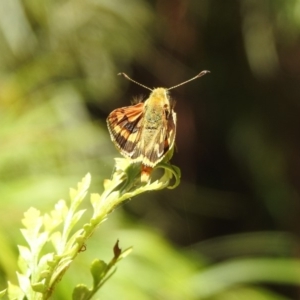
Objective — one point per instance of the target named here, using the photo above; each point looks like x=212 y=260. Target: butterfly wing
x=161 y=142
x=170 y=133
x=124 y=125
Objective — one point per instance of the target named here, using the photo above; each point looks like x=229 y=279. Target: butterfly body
x=144 y=132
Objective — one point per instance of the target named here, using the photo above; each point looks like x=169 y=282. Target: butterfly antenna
x=127 y=77
x=182 y=83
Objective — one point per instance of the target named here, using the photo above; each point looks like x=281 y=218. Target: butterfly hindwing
x=170 y=132
x=162 y=142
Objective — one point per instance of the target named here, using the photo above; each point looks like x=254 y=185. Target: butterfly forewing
x=124 y=125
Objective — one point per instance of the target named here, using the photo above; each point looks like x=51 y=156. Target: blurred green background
x=231 y=229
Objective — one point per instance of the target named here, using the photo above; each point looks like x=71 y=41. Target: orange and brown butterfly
x=145 y=132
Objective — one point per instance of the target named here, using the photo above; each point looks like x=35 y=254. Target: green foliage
x=56 y=238
x=39 y=272
x=101 y=272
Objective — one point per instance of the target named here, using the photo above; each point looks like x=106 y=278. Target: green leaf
x=56 y=216
x=81 y=292
x=25 y=258
x=56 y=240
x=125 y=253
x=95 y=198
x=14 y=292
x=31 y=219
x=39 y=287
x=78 y=196
x=76 y=217
x=39 y=242
x=98 y=270
x=24 y=283
x=42 y=269
x=72 y=243
x=63 y=265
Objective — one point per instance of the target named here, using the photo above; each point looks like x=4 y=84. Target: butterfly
x=145 y=132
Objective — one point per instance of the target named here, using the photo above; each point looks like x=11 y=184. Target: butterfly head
x=159 y=96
